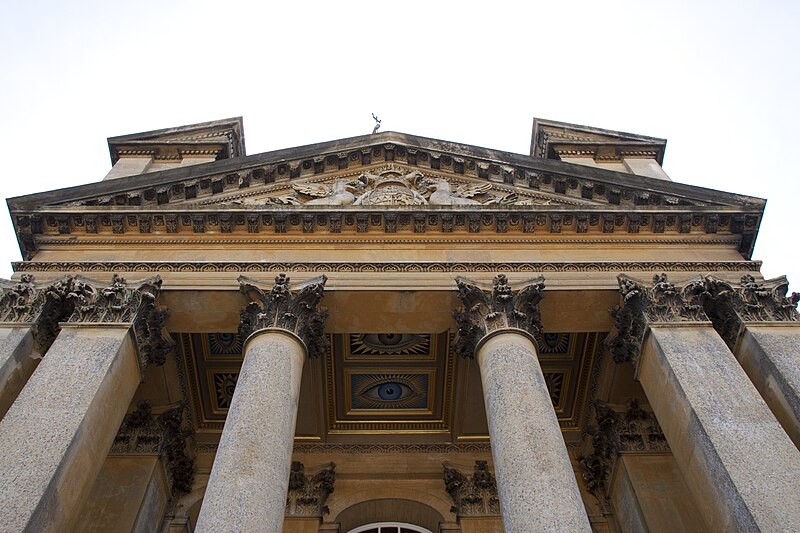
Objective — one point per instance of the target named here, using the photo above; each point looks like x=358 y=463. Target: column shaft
x=17 y=362
x=739 y=464
x=770 y=354
x=55 y=436
x=535 y=481
x=249 y=481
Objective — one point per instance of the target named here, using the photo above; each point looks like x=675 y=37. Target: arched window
x=389 y=527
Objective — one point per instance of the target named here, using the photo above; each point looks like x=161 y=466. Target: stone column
x=29 y=316
x=762 y=328
x=57 y=433
x=535 y=481
x=249 y=480
x=738 y=463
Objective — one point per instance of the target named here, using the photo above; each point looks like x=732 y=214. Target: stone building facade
x=390 y=333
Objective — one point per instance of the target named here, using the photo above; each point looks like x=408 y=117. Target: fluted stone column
x=249 y=480
x=738 y=463
x=29 y=316
x=762 y=328
x=535 y=481
x=57 y=433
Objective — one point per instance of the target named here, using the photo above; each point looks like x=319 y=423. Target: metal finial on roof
x=377 y=124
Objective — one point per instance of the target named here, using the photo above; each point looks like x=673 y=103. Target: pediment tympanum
x=395 y=185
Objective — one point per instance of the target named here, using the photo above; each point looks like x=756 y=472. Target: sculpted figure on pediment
x=390 y=186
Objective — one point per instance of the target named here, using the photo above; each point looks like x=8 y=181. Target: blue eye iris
x=390 y=391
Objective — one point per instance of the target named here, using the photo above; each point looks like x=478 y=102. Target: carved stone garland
x=475 y=495
x=485 y=311
x=635 y=430
x=120 y=303
x=307 y=494
x=166 y=435
x=293 y=308
x=731 y=306
x=663 y=302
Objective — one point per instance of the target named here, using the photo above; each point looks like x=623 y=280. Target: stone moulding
x=663 y=302
x=308 y=493
x=405 y=266
x=487 y=310
x=474 y=495
x=288 y=307
x=731 y=306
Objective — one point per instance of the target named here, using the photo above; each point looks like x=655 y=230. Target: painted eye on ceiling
x=390 y=391
x=392 y=342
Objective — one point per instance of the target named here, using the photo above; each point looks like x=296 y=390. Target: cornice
x=417 y=152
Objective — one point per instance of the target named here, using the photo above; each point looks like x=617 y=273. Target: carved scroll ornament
x=291 y=307
x=501 y=307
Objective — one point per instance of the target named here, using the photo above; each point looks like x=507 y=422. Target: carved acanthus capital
x=290 y=307
x=121 y=302
x=615 y=432
x=474 y=495
x=168 y=434
x=732 y=305
x=663 y=302
x=308 y=493
x=18 y=302
x=486 y=310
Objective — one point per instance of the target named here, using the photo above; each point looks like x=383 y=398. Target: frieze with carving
x=731 y=306
x=291 y=307
x=662 y=302
x=501 y=307
x=308 y=493
x=633 y=430
x=167 y=434
x=473 y=495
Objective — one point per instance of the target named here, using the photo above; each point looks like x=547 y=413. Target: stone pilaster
x=57 y=433
x=29 y=316
x=249 y=482
x=762 y=328
x=737 y=461
x=535 y=481
x=308 y=493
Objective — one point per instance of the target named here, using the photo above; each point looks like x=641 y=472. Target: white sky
x=719 y=80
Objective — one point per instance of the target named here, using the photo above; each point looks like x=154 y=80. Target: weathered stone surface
x=57 y=433
x=536 y=484
x=770 y=354
x=250 y=477
x=17 y=362
x=739 y=464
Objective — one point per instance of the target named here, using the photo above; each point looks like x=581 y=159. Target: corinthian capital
x=732 y=305
x=120 y=302
x=499 y=307
x=290 y=307
x=660 y=302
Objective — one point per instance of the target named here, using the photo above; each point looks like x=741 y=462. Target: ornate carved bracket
x=634 y=430
x=731 y=306
x=123 y=302
x=475 y=495
x=307 y=494
x=167 y=434
x=291 y=307
x=663 y=302
x=486 y=310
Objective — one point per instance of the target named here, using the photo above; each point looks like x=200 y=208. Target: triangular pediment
x=380 y=173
